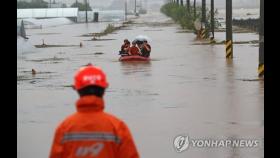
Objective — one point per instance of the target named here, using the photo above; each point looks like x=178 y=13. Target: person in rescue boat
x=125 y=47
x=134 y=50
x=91 y=132
x=145 y=49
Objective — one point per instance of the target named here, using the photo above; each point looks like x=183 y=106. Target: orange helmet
x=90 y=76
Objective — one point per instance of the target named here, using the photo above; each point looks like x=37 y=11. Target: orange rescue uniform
x=91 y=132
x=134 y=50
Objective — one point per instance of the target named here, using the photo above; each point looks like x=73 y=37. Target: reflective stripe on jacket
x=90 y=132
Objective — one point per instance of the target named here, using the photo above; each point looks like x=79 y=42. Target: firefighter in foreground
x=91 y=132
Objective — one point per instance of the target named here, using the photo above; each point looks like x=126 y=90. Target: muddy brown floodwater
x=185 y=89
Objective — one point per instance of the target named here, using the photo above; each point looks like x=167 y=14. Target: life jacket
x=134 y=50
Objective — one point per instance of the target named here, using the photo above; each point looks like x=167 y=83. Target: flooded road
x=185 y=89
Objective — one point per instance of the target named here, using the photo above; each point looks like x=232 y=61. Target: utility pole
x=194 y=8
x=78 y=10
x=125 y=10
x=86 y=11
x=188 y=5
x=22 y=30
x=135 y=7
x=212 y=19
x=229 y=47
x=261 y=40
x=203 y=19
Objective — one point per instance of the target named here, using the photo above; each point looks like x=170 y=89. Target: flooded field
x=185 y=89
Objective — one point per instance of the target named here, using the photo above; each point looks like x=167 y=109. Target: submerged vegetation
x=109 y=29
x=251 y=24
x=186 y=17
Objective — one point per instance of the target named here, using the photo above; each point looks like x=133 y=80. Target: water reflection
x=242 y=118
x=132 y=68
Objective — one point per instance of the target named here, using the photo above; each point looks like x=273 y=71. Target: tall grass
x=185 y=17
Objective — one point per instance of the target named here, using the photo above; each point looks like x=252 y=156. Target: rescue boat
x=133 y=58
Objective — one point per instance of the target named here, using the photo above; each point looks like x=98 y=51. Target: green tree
x=81 y=6
x=32 y=4
x=64 y=5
